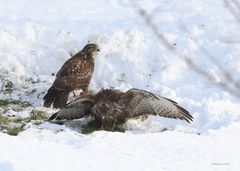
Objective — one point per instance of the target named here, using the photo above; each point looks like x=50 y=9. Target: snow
x=36 y=37
x=45 y=150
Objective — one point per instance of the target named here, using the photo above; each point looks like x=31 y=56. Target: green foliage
x=4 y=120
x=13 y=125
x=10 y=125
x=38 y=115
x=14 y=130
x=22 y=104
x=17 y=120
x=90 y=127
x=4 y=102
x=97 y=126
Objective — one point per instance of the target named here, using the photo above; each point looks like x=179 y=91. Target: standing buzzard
x=111 y=107
x=75 y=73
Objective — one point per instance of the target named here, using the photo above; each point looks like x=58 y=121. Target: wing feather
x=141 y=102
x=75 y=109
x=75 y=72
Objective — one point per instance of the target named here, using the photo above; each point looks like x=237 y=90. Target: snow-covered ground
x=37 y=36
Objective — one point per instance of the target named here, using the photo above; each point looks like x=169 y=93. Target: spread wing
x=74 y=110
x=141 y=103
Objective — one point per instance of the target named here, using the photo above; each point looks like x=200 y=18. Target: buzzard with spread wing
x=75 y=73
x=111 y=107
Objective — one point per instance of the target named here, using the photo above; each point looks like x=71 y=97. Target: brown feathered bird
x=75 y=73
x=111 y=107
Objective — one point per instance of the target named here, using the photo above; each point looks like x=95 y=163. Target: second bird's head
x=91 y=49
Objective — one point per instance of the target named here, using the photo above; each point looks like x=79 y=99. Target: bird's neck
x=92 y=55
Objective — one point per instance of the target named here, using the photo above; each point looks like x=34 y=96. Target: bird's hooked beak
x=95 y=53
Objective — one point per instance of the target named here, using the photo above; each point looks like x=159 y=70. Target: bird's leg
x=102 y=126
x=85 y=90
x=114 y=124
x=74 y=94
x=102 y=122
x=144 y=117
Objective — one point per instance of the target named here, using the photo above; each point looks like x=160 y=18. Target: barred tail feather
x=61 y=100
x=56 y=97
x=185 y=115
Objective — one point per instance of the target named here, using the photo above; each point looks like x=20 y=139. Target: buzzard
x=75 y=73
x=111 y=107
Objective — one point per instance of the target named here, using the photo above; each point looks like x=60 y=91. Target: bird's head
x=109 y=114
x=91 y=49
x=107 y=111
x=103 y=110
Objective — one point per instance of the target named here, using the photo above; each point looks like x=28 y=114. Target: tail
x=54 y=116
x=56 y=97
x=184 y=114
